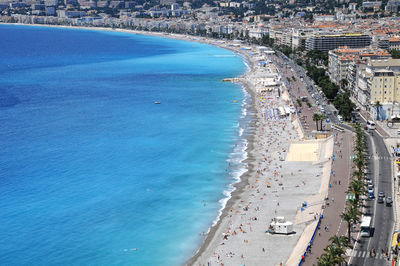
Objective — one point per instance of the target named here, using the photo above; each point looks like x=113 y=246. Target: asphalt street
x=380 y=172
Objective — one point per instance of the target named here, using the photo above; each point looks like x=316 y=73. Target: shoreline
x=256 y=120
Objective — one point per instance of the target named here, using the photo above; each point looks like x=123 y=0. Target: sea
x=115 y=148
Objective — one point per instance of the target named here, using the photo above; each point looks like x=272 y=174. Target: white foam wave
x=238 y=156
x=238 y=168
x=241 y=130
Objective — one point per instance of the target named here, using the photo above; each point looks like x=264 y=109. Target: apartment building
x=328 y=42
x=394 y=43
x=380 y=81
x=339 y=61
x=343 y=62
x=281 y=35
x=392 y=6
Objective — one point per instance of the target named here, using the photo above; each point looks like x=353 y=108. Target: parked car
x=370 y=190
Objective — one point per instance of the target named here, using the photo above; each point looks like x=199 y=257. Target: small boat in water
x=157 y=102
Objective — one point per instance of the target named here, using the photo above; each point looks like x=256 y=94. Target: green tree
x=345 y=106
x=316 y=118
x=343 y=84
x=350 y=216
x=357 y=188
x=334 y=253
x=326 y=259
x=395 y=54
x=322 y=117
x=377 y=106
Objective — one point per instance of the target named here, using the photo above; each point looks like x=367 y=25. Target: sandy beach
x=284 y=172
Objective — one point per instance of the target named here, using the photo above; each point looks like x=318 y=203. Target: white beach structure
x=267 y=82
x=279 y=225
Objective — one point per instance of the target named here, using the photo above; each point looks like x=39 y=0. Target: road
x=309 y=85
x=380 y=171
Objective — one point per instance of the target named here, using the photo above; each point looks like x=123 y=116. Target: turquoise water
x=92 y=172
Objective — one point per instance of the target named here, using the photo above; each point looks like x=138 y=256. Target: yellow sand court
x=303 y=152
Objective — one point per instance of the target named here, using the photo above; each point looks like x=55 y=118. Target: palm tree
x=326 y=259
x=352 y=202
x=357 y=187
x=349 y=220
x=322 y=117
x=335 y=253
x=359 y=161
x=377 y=105
x=358 y=174
x=350 y=216
x=316 y=118
x=340 y=241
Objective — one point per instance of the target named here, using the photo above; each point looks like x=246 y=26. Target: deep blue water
x=90 y=168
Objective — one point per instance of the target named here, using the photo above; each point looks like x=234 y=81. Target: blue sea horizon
x=92 y=171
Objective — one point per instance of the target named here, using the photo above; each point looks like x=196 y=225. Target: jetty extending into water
x=232 y=79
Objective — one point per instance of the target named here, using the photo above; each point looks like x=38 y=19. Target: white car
x=370 y=190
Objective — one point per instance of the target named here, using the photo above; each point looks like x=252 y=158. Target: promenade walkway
x=335 y=204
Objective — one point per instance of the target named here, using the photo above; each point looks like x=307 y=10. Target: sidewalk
x=341 y=170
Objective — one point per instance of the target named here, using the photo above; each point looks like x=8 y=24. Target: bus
x=366 y=226
x=371 y=125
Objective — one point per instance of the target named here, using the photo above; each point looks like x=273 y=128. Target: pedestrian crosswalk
x=380 y=157
x=366 y=254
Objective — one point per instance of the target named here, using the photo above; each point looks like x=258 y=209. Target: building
x=339 y=61
x=392 y=6
x=380 y=81
x=371 y=6
x=344 y=64
x=328 y=42
x=394 y=43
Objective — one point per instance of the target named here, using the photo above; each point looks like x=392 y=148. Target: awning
x=394 y=240
x=350 y=196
